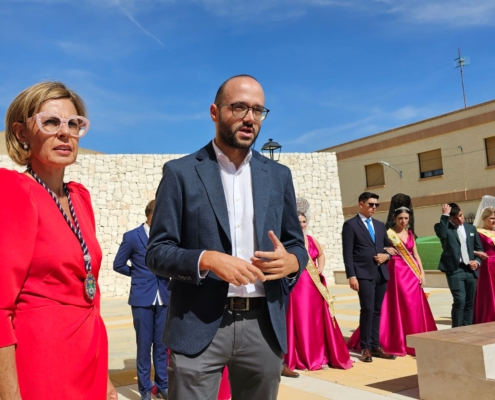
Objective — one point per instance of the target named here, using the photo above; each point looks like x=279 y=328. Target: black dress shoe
x=162 y=394
x=366 y=355
x=380 y=353
x=289 y=373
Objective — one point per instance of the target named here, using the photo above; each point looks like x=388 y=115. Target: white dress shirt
x=158 y=299
x=238 y=190
x=363 y=218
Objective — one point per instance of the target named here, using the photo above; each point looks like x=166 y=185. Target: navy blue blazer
x=191 y=216
x=144 y=284
x=359 y=249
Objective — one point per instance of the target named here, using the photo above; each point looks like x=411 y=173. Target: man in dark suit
x=458 y=261
x=226 y=231
x=148 y=299
x=365 y=259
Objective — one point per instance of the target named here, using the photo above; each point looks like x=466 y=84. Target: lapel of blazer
x=260 y=178
x=365 y=229
x=209 y=174
x=142 y=235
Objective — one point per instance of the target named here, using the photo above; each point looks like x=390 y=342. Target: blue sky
x=332 y=70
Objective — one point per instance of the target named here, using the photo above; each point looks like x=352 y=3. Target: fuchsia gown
x=313 y=339
x=484 y=302
x=405 y=309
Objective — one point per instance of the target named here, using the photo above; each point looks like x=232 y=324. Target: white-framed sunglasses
x=50 y=123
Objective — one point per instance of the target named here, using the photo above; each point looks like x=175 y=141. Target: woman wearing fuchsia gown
x=53 y=343
x=314 y=339
x=405 y=308
x=484 y=302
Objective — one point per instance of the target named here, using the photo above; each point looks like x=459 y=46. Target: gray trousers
x=246 y=343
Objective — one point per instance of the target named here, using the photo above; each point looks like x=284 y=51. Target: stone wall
x=122 y=185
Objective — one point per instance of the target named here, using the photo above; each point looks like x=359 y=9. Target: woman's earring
x=25 y=146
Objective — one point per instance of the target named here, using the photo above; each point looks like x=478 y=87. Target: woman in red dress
x=52 y=339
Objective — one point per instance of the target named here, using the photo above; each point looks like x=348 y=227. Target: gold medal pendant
x=90 y=286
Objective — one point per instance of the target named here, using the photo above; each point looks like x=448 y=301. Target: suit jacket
x=190 y=217
x=359 y=249
x=144 y=284
x=451 y=244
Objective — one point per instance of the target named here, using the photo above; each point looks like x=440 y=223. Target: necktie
x=370 y=229
x=464 y=251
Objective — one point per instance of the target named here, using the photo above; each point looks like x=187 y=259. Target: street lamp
x=386 y=164
x=272 y=147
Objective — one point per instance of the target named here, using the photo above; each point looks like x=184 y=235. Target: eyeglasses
x=50 y=123
x=373 y=205
x=240 y=110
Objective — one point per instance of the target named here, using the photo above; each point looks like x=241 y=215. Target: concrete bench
x=456 y=363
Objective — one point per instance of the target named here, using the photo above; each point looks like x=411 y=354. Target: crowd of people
x=227 y=288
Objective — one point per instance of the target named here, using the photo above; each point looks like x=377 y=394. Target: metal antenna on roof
x=459 y=63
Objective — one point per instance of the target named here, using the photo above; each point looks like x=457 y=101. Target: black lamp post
x=272 y=147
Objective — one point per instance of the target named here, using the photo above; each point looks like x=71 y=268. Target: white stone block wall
x=122 y=185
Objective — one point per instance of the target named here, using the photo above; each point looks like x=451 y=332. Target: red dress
x=61 y=341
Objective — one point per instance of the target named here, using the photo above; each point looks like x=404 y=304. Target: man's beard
x=228 y=135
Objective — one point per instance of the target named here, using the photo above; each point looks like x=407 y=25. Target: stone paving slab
x=382 y=379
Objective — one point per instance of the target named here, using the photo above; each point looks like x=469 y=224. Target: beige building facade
x=449 y=158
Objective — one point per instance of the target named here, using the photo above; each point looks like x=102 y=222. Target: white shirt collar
x=225 y=161
x=146 y=229
x=363 y=218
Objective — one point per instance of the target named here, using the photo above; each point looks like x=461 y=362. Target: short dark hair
x=150 y=208
x=218 y=97
x=367 y=195
x=454 y=209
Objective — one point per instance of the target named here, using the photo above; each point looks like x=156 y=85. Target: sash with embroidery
x=403 y=252
x=488 y=234
x=315 y=276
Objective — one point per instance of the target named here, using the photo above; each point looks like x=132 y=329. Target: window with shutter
x=490 y=151
x=374 y=175
x=430 y=163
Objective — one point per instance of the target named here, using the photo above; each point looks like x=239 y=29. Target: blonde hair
x=487 y=212
x=26 y=104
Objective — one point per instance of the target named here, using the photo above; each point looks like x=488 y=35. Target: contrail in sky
x=128 y=14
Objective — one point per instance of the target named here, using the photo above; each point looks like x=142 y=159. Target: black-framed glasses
x=240 y=110
x=373 y=205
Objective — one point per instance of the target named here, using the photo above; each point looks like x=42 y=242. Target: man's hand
x=354 y=284
x=277 y=263
x=380 y=258
x=480 y=254
x=446 y=209
x=231 y=269
x=391 y=250
x=473 y=265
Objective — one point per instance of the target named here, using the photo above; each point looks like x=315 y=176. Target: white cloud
x=133 y=20
x=376 y=121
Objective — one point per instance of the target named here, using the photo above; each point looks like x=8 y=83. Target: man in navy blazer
x=363 y=241
x=226 y=231
x=148 y=299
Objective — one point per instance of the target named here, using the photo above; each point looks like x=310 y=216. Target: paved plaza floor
x=381 y=379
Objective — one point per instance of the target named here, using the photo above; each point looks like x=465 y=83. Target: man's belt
x=245 y=303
